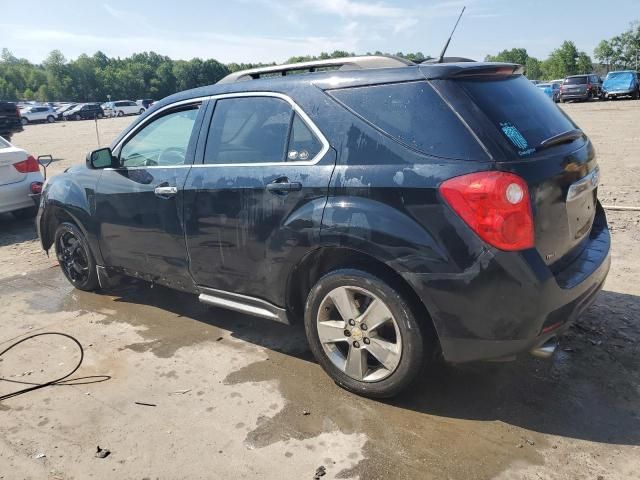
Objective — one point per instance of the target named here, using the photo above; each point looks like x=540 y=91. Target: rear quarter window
x=415 y=115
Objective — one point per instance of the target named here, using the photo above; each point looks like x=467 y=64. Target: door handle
x=165 y=191
x=284 y=186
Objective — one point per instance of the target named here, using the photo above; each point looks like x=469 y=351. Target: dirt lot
x=231 y=392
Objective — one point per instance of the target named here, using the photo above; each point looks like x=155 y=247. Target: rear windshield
x=415 y=115
x=520 y=111
x=576 y=81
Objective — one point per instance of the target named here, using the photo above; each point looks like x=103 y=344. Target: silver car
x=20 y=181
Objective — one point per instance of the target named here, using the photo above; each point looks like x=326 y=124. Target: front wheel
x=51 y=119
x=141 y=111
x=24 y=121
x=120 y=114
x=75 y=257
x=363 y=333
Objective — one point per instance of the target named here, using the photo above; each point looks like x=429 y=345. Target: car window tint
x=162 y=142
x=521 y=113
x=414 y=114
x=303 y=144
x=248 y=130
x=576 y=81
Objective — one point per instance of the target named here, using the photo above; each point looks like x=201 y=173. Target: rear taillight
x=495 y=205
x=588 y=86
x=36 y=187
x=18 y=111
x=27 y=166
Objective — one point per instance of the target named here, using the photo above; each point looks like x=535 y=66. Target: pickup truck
x=9 y=120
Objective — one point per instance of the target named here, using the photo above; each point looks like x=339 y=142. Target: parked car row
x=624 y=83
x=25 y=113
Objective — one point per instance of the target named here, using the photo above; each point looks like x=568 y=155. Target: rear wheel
x=75 y=257
x=364 y=333
x=24 y=120
x=25 y=213
x=51 y=119
x=141 y=111
x=120 y=113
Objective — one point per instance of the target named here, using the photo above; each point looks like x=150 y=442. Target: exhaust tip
x=546 y=349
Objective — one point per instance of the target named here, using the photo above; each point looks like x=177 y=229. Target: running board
x=243 y=304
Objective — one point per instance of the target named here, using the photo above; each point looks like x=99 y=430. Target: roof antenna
x=446 y=45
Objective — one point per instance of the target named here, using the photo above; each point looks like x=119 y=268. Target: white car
x=121 y=108
x=20 y=181
x=38 y=113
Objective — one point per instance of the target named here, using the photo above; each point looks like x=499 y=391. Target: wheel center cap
x=356 y=333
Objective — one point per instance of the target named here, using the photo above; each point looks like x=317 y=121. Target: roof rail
x=344 y=63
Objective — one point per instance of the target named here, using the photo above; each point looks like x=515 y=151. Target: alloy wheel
x=359 y=334
x=73 y=257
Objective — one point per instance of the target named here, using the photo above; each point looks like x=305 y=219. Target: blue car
x=551 y=90
x=623 y=83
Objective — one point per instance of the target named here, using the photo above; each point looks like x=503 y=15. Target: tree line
x=619 y=53
x=151 y=75
x=142 y=75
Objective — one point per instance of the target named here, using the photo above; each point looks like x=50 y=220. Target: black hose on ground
x=36 y=386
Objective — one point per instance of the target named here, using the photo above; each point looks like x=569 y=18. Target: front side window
x=163 y=142
x=248 y=130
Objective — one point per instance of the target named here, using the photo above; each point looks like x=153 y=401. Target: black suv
x=402 y=211
x=10 y=122
x=84 y=111
x=581 y=87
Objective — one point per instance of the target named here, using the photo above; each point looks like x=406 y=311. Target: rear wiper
x=563 y=137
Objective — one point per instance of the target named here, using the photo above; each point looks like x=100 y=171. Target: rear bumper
x=508 y=303
x=16 y=196
x=574 y=96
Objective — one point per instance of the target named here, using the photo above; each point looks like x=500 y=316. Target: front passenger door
x=139 y=203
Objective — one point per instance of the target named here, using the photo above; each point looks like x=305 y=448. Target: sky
x=274 y=30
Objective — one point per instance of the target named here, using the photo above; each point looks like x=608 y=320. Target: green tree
x=515 y=55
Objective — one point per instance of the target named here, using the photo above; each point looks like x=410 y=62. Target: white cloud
x=350 y=8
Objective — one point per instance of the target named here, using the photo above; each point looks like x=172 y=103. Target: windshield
x=521 y=112
x=576 y=81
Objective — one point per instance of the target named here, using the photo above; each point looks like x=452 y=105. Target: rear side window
x=415 y=115
x=303 y=144
x=519 y=110
x=248 y=130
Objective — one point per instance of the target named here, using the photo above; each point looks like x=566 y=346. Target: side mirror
x=100 y=158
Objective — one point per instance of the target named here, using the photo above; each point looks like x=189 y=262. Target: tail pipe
x=546 y=349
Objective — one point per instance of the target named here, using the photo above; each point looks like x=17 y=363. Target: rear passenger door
x=253 y=206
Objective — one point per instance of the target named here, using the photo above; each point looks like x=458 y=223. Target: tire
x=78 y=117
x=51 y=119
x=398 y=341
x=25 y=213
x=141 y=111
x=75 y=257
x=100 y=116
x=636 y=95
x=120 y=114
x=24 y=120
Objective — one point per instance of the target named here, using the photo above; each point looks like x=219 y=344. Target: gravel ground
x=230 y=391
